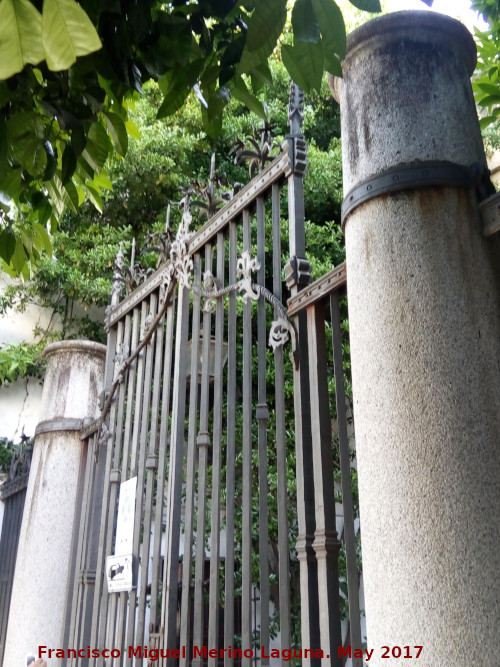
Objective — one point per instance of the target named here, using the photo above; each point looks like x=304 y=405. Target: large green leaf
x=41 y=239
x=242 y=94
x=67 y=32
x=490 y=100
x=176 y=86
x=118 y=132
x=20 y=36
x=10 y=183
x=304 y=63
x=7 y=245
x=304 y=22
x=18 y=258
x=332 y=63
x=369 y=5
x=68 y=165
x=489 y=88
x=97 y=148
x=264 y=27
x=95 y=197
x=212 y=123
x=332 y=27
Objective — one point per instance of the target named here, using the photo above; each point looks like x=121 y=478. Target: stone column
x=424 y=312
x=73 y=381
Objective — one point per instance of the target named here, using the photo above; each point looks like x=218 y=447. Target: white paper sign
x=119 y=572
x=125 y=521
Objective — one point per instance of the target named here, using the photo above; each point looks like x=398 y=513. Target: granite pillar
x=73 y=381
x=424 y=313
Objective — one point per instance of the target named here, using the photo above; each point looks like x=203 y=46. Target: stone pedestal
x=73 y=381
x=424 y=311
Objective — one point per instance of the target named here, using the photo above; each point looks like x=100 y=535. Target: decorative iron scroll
x=179 y=270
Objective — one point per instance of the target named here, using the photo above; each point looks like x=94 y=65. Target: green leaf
x=261 y=75
x=68 y=164
x=27 y=239
x=132 y=129
x=118 y=132
x=489 y=100
x=78 y=140
x=95 y=197
x=372 y=5
x=212 y=123
x=304 y=63
x=43 y=235
x=332 y=27
x=10 y=183
x=242 y=94
x=176 y=86
x=489 y=88
x=102 y=180
x=304 y=22
x=67 y=32
x=264 y=27
x=20 y=36
x=487 y=120
x=44 y=212
x=332 y=63
x=97 y=147
x=51 y=163
x=18 y=259
x=7 y=245
x=70 y=196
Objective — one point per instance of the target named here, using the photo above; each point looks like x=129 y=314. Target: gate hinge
x=297 y=272
x=416 y=176
x=298 y=154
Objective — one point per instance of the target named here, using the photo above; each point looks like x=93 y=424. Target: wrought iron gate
x=196 y=409
x=13 y=493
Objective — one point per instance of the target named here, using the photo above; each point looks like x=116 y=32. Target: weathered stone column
x=423 y=289
x=73 y=381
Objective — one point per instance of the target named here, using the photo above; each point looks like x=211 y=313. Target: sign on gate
x=119 y=567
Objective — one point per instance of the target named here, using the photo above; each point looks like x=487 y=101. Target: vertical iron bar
x=203 y=443
x=213 y=617
x=135 y=468
x=99 y=611
x=279 y=397
x=80 y=565
x=262 y=416
x=155 y=612
x=309 y=593
x=148 y=456
x=82 y=539
x=174 y=498
x=86 y=563
x=117 y=601
x=345 y=470
x=117 y=616
x=326 y=543
x=230 y=450
x=186 y=601
x=246 y=520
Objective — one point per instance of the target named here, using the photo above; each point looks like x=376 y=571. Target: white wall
x=20 y=408
x=20 y=400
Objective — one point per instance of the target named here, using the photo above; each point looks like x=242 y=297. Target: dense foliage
x=486 y=82
x=168 y=156
x=68 y=73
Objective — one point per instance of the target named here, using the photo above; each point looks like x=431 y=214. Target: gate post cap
x=88 y=346
x=425 y=25
x=73 y=380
